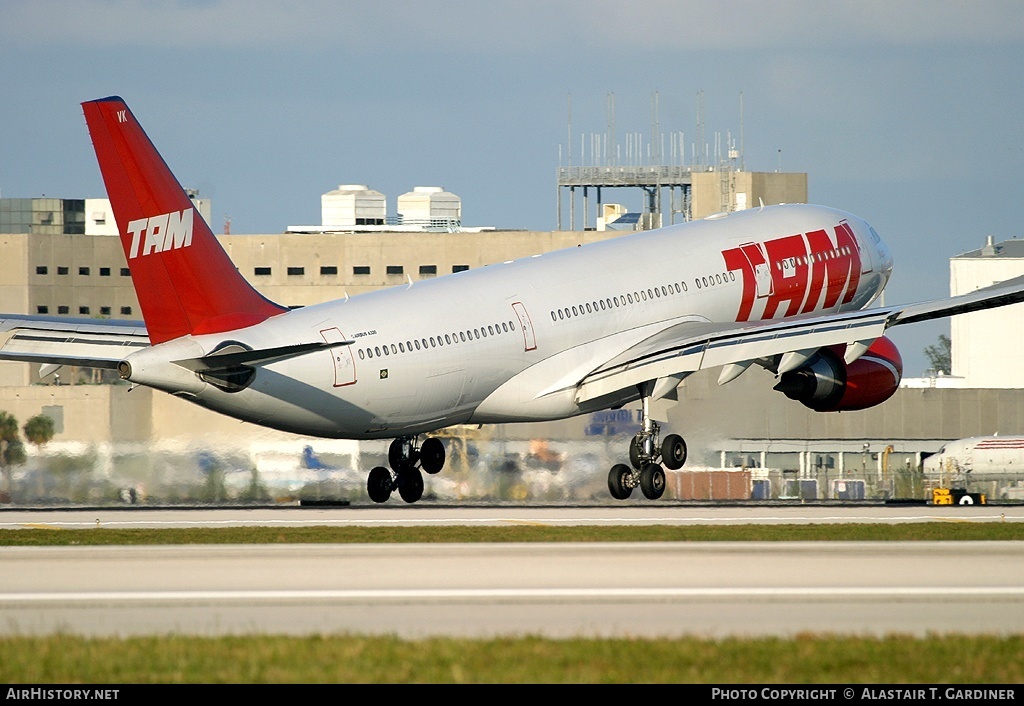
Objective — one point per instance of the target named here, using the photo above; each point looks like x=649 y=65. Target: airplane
x=786 y=287
x=978 y=459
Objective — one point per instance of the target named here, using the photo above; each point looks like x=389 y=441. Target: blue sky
x=908 y=114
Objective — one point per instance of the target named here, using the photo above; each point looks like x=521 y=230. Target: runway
x=485 y=590
x=426 y=514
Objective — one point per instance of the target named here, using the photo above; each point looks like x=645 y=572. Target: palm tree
x=12 y=451
x=39 y=429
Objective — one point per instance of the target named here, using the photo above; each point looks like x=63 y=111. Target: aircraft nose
x=884 y=253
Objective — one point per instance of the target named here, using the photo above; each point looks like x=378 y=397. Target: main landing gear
x=403 y=457
x=644 y=454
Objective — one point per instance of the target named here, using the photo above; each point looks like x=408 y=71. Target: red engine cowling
x=827 y=384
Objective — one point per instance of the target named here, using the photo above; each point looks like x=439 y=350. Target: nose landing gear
x=405 y=475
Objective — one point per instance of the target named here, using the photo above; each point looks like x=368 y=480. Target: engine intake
x=827 y=384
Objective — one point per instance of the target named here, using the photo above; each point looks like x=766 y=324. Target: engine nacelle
x=827 y=384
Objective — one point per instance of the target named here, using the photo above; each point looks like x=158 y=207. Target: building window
x=42 y=309
x=62 y=270
x=62 y=310
x=460 y=268
x=294 y=271
x=83 y=310
x=83 y=271
x=126 y=311
x=42 y=270
x=105 y=310
x=262 y=271
x=428 y=270
x=395 y=270
x=361 y=270
x=328 y=270
x=125 y=272
x=104 y=272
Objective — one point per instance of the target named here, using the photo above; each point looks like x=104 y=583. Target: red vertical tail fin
x=185 y=282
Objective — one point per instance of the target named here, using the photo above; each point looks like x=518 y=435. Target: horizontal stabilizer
x=89 y=343
x=224 y=361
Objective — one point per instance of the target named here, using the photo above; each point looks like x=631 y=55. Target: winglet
x=185 y=282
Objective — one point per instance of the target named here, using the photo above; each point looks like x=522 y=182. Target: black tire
x=410 y=485
x=617 y=481
x=673 y=452
x=432 y=455
x=652 y=481
x=379 y=485
x=396 y=458
x=636 y=453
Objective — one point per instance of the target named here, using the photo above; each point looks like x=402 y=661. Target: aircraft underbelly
x=384 y=402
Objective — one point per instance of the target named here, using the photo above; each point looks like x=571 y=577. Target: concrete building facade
x=986 y=345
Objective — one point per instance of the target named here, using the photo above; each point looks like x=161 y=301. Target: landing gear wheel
x=379 y=484
x=652 y=481
x=410 y=485
x=673 y=452
x=636 y=453
x=432 y=455
x=397 y=458
x=618 y=481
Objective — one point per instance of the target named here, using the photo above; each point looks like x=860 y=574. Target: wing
x=91 y=343
x=678 y=350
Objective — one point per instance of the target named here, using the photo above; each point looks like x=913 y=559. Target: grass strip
x=923 y=531
x=66 y=659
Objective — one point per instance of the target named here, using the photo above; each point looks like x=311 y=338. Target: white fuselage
x=980 y=458
x=506 y=342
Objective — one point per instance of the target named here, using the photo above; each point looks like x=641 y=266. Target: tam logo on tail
x=164 y=232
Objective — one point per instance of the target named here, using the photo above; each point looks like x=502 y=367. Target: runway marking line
x=11 y=599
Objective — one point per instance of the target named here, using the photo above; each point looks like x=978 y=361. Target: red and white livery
x=787 y=288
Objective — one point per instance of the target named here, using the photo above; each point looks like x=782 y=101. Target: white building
x=353 y=205
x=429 y=204
x=988 y=346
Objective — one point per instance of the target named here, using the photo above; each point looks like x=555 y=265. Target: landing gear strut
x=644 y=454
x=405 y=476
